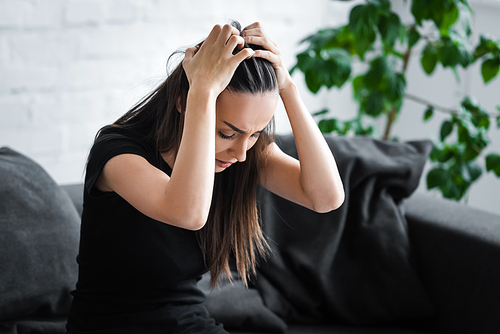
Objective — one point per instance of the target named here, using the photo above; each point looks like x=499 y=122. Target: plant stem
x=406 y=59
x=391 y=117
x=439 y=108
x=427 y=103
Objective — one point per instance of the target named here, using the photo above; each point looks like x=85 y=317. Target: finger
x=255 y=32
x=252 y=26
x=268 y=55
x=265 y=42
x=226 y=33
x=246 y=53
x=235 y=41
x=214 y=34
x=259 y=32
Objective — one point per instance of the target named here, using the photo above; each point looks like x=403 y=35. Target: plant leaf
x=362 y=20
x=382 y=5
x=378 y=70
x=374 y=104
x=321 y=112
x=420 y=10
x=329 y=68
x=449 y=53
x=394 y=86
x=429 y=112
x=474 y=172
x=486 y=46
x=470 y=153
x=357 y=84
x=441 y=155
x=413 y=37
x=446 y=129
x=389 y=28
x=429 y=58
x=327 y=125
x=436 y=178
x=493 y=163
x=448 y=19
x=489 y=69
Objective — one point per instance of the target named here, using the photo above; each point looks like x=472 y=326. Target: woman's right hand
x=212 y=66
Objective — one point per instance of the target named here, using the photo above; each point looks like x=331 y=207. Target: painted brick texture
x=69 y=67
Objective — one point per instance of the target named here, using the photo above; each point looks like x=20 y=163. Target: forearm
x=319 y=176
x=191 y=184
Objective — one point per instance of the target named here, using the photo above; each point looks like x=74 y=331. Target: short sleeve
x=107 y=146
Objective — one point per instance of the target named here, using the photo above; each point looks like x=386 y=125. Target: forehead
x=248 y=112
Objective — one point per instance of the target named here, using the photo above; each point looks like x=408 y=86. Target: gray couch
x=451 y=281
x=458 y=251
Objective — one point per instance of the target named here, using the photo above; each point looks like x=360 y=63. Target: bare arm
x=184 y=198
x=314 y=180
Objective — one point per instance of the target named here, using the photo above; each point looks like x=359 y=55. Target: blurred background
x=69 y=67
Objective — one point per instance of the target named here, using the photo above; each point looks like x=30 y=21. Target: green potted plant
x=377 y=37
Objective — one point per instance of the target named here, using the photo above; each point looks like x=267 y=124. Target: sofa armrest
x=75 y=192
x=458 y=257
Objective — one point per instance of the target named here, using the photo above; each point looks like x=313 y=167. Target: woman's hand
x=211 y=66
x=254 y=34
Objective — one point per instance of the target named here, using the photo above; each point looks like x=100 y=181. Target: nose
x=239 y=150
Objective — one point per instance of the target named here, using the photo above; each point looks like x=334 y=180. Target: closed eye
x=223 y=136
x=256 y=134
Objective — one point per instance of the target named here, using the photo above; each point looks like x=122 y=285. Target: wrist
x=201 y=96
x=288 y=87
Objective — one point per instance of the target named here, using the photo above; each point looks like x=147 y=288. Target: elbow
x=195 y=222
x=195 y=226
x=192 y=221
x=330 y=202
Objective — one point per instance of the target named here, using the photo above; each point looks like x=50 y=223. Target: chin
x=220 y=169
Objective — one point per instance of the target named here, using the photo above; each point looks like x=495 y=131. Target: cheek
x=251 y=143
x=221 y=144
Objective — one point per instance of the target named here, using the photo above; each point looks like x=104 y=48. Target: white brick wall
x=68 y=67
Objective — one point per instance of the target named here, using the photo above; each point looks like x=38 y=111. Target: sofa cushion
x=353 y=265
x=239 y=307
x=39 y=235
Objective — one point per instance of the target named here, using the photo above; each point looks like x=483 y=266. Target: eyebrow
x=239 y=130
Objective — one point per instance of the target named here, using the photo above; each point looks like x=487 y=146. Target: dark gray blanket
x=353 y=265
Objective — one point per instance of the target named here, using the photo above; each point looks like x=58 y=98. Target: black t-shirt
x=136 y=274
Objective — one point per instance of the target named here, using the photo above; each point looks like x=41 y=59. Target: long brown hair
x=233 y=227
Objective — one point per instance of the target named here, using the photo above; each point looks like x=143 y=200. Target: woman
x=156 y=216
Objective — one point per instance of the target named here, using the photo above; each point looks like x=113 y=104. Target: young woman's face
x=241 y=117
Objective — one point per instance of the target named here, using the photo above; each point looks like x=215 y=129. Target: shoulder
x=112 y=141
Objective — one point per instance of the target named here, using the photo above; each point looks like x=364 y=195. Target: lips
x=223 y=164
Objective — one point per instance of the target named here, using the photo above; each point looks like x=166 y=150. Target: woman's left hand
x=254 y=34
